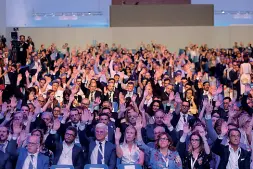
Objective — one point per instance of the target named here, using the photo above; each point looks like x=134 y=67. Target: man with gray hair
x=29 y=157
x=99 y=150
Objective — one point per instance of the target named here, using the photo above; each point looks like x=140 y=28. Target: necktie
x=100 y=156
x=92 y=97
x=111 y=96
x=31 y=162
x=184 y=118
x=2 y=147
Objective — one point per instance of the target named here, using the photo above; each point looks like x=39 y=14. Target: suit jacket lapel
x=74 y=154
x=21 y=158
x=106 y=151
x=91 y=147
x=39 y=161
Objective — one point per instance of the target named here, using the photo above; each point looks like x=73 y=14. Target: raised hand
x=19 y=77
x=8 y=117
x=139 y=124
x=117 y=134
x=97 y=101
x=34 y=79
x=27 y=74
x=145 y=94
x=105 y=90
x=65 y=113
x=219 y=90
x=171 y=96
x=177 y=98
x=224 y=128
x=56 y=125
x=167 y=119
x=22 y=136
x=85 y=116
x=30 y=116
x=186 y=129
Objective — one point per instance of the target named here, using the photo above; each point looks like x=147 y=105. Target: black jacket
x=223 y=152
x=53 y=144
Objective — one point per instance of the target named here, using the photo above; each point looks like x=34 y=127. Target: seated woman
x=128 y=150
x=198 y=154
x=164 y=155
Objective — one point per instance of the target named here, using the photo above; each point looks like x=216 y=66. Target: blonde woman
x=128 y=151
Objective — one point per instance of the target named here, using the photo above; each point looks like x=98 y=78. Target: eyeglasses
x=163 y=139
x=41 y=101
x=68 y=134
x=100 y=132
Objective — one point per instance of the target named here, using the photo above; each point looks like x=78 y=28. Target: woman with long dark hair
x=198 y=155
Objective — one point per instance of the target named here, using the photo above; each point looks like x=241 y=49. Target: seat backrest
x=62 y=166
x=94 y=166
x=129 y=166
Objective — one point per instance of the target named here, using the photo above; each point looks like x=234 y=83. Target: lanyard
x=101 y=152
x=166 y=160
x=193 y=162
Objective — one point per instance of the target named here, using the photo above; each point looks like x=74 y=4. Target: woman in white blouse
x=128 y=151
x=245 y=72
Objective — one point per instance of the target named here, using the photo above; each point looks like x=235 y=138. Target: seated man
x=29 y=157
x=100 y=151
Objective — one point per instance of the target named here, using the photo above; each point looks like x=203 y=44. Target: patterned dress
x=158 y=161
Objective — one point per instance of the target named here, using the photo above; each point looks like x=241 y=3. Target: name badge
x=21 y=49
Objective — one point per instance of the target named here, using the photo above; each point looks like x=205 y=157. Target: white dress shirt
x=94 y=154
x=4 y=145
x=66 y=155
x=233 y=158
x=30 y=159
x=181 y=121
x=129 y=94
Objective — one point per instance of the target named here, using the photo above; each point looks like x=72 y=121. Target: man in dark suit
x=91 y=93
x=179 y=119
x=159 y=121
x=30 y=157
x=232 y=155
x=4 y=160
x=74 y=117
x=103 y=118
x=99 y=150
x=66 y=153
x=111 y=94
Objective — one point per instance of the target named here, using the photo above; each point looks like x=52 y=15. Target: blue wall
x=19 y=12
x=229 y=5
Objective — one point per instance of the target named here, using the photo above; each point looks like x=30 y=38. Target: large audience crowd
x=110 y=105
